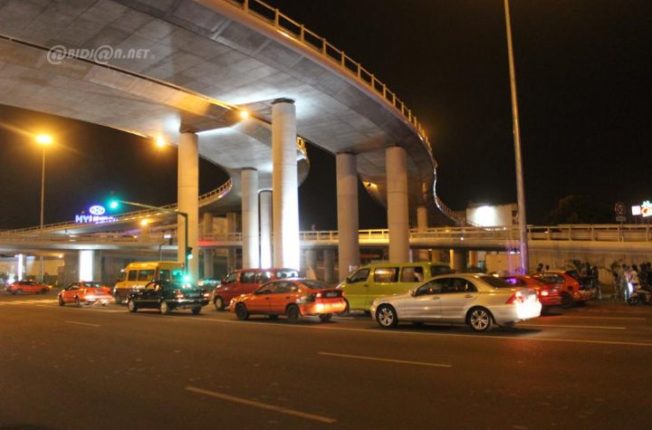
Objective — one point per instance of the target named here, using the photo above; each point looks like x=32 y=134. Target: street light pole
x=165 y=210
x=43 y=140
x=520 y=189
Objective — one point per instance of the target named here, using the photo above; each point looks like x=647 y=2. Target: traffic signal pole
x=165 y=210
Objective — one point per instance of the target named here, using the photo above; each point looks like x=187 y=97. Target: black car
x=168 y=295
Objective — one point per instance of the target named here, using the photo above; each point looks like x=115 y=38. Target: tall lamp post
x=44 y=140
x=520 y=190
x=114 y=203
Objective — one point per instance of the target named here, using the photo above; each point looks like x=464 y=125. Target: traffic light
x=114 y=204
x=189 y=252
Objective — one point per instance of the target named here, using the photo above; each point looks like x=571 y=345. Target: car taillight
x=544 y=293
x=516 y=298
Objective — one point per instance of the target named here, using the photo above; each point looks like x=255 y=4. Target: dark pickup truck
x=167 y=296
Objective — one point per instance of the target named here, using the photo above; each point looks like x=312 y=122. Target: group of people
x=629 y=279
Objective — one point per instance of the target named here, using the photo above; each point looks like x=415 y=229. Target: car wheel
x=273 y=317
x=61 y=302
x=345 y=312
x=196 y=310
x=164 y=308
x=325 y=317
x=132 y=306
x=14 y=292
x=293 y=313
x=241 y=311
x=44 y=291
x=19 y=291
x=480 y=319
x=118 y=300
x=219 y=303
x=386 y=316
x=566 y=301
x=77 y=302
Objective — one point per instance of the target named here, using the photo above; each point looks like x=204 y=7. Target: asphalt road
x=104 y=368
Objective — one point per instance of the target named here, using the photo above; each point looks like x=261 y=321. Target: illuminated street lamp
x=520 y=189
x=44 y=140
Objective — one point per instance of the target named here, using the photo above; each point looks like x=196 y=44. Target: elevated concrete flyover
x=195 y=64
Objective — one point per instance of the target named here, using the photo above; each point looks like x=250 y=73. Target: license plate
x=331 y=294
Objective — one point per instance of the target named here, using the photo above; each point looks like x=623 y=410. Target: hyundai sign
x=96 y=215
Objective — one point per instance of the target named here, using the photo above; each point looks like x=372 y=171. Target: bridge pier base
x=329 y=266
x=231 y=227
x=347 y=213
x=188 y=193
x=398 y=221
x=458 y=260
x=250 y=235
x=285 y=198
x=265 y=228
x=422 y=226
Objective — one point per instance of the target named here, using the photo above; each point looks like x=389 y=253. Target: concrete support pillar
x=90 y=265
x=311 y=263
x=208 y=262
x=458 y=260
x=265 y=228
x=397 y=204
x=329 y=265
x=20 y=267
x=188 y=198
x=70 y=269
x=347 y=213
x=231 y=227
x=207 y=224
x=422 y=226
x=473 y=259
x=250 y=235
x=285 y=198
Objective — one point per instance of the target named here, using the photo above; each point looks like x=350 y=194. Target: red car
x=548 y=293
x=572 y=291
x=246 y=281
x=87 y=293
x=27 y=287
x=291 y=297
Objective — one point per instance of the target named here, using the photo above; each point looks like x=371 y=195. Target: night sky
x=584 y=70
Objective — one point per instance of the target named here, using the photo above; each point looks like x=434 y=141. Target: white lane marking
x=261 y=405
x=598 y=317
x=83 y=323
x=599 y=327
x=413 y=333
x=386 y=360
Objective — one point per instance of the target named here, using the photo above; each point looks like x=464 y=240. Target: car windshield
x=495 y=281
x=315 y=285
x=91 y=284
x=286 y=273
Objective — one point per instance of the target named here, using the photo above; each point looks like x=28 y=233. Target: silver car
x=478 y=300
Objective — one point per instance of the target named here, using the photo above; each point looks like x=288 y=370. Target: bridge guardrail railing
x=597 y=233
x=204 y=199
x=335 y=56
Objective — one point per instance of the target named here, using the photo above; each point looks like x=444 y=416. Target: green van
x=386 y=279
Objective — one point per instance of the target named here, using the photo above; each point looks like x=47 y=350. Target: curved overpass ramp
x=203 y=60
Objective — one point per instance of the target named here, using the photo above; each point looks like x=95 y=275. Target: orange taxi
x=293 y=298
x=27 y=287
x=87 y=293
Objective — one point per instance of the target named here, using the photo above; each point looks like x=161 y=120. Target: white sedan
x=478 y=300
